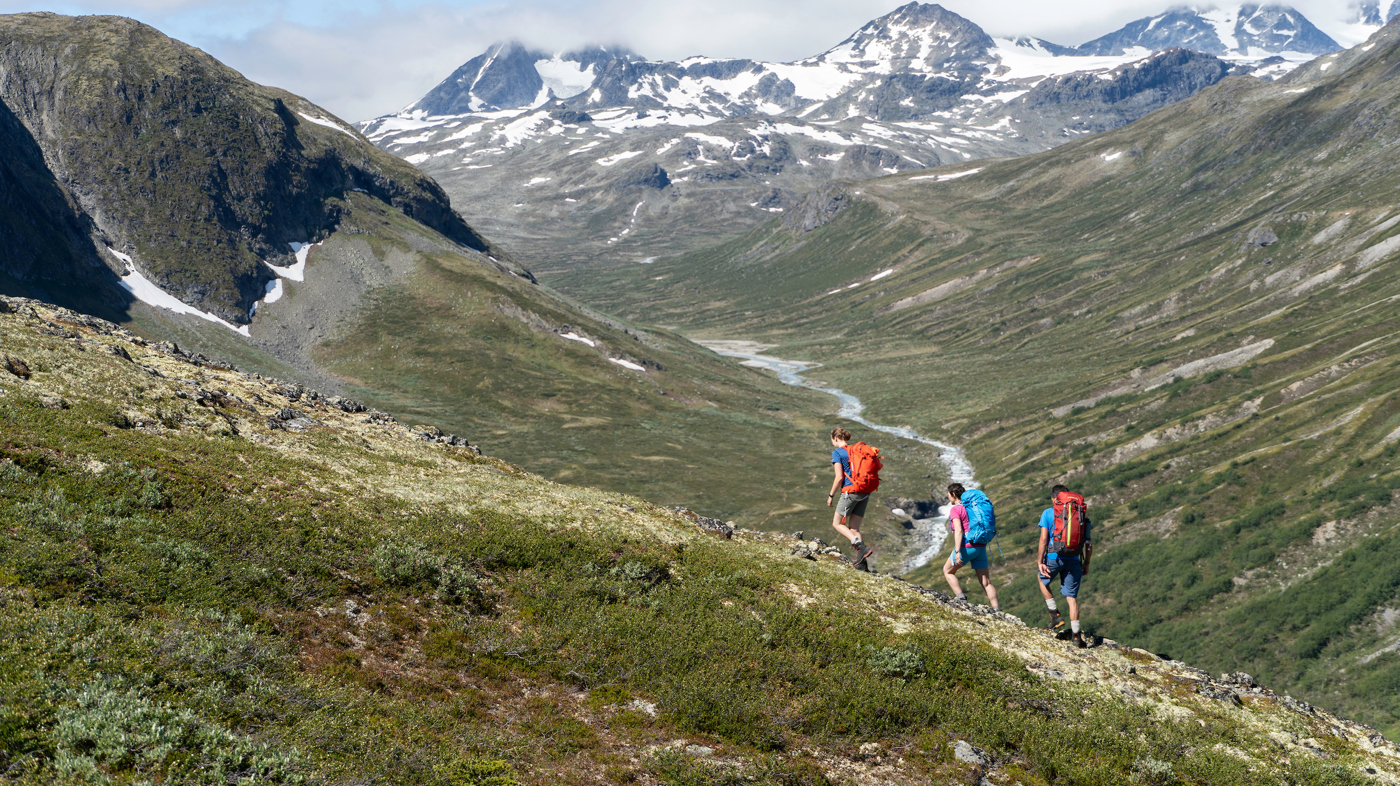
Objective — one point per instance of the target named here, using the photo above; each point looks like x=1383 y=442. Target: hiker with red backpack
x=1064 y=551
x=857 y=467
x=970 y=539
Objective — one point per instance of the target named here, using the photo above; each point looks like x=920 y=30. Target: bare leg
x=850 y=530
x=1044 y=590
x=1073 y=609
x=948 y=570
x=986 y=579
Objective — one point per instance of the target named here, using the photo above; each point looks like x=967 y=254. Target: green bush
x=900 y=663
x=402 y=563
x=106 y=728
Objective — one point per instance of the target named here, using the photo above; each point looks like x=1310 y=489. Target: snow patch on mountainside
x=565 y=78
x=147 y=292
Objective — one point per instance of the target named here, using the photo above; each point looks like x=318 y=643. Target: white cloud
x=362 y=58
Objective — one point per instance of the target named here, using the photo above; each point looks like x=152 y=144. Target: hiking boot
x=863 y=553
x=1079 y=641
x=1056 y=622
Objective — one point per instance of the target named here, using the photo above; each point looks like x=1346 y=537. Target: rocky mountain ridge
x=917 y=60
x=1249 y=31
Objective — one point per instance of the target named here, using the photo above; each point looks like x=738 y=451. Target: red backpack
x=1070 y=524
x=865 y=469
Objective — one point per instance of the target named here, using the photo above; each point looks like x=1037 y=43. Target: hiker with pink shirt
x=965 y=553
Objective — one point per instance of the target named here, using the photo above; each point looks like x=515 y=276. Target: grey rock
x=53 y=402
x=287 y=414
x=301 y=424
x=570 y=116
x=289 y=392
x=707 y=524
x=1239 y=678
x=1262 y=238
x=113 y=349
x=1218 y=693
x=816 y=209
x=380 y=418
x=967 y=752
x=646 y=176
x=803 y=552
x=346 y=405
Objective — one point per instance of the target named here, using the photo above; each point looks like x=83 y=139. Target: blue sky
x=362 y=58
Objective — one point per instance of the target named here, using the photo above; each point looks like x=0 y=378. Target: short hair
x=1058 y=488
x=840 y=434
x=956 y=489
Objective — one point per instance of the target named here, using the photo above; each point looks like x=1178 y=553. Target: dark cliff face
x=1162 y=79
x=178 y=161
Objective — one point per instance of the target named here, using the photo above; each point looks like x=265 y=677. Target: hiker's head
x=955 y=492
x=1058 y=488
x=839 y=434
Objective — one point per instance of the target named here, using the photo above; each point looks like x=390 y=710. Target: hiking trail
x=928 y=534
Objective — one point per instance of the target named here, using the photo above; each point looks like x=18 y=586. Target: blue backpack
x=981 y=518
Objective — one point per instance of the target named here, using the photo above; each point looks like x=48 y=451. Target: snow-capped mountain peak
x=1250 y=30
x=509 y=75
x=916 y=38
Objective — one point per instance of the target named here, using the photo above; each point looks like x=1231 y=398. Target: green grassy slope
x=193 y=596
x=1192 y=318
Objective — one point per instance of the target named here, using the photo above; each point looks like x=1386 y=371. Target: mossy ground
x=190 y=595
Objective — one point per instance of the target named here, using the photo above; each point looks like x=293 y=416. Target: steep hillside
x=209 y=578
x=148 y=183
x=1191 y=318
x=146 y=135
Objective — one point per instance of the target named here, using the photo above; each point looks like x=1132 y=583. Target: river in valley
x=927 y=536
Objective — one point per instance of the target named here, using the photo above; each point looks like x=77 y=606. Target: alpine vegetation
x=196 y=593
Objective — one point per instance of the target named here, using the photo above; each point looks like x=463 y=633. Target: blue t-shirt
x=843 y=457
x=1047 y=523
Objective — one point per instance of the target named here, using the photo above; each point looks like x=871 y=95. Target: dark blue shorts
x=1069 y=569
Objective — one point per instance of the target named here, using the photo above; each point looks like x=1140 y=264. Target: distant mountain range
x=917 y=60
x=600 y=153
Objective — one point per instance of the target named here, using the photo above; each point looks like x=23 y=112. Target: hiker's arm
x=1040 y=552
x=836 y=483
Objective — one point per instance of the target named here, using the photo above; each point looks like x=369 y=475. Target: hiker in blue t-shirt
x=1067 y=567
x=850 y=507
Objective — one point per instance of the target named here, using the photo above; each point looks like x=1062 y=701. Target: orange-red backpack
x=865 y=469
x=1070 y=524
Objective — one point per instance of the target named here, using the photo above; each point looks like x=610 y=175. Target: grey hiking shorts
x=852 y=504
